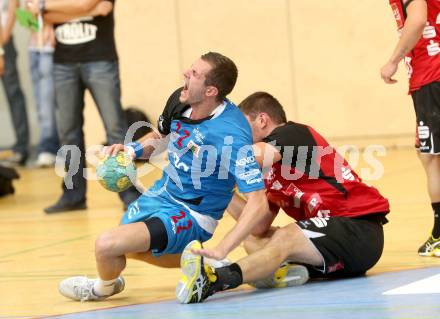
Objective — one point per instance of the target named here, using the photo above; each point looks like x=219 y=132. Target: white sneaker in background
x=46 y=159
x=15 y=159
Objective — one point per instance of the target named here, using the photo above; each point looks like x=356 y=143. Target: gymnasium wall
x=320 y=59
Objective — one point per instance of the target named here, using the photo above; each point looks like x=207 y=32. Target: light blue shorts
x=181 y=226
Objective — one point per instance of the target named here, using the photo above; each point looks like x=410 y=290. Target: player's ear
x=263 y=119
x=211 y=91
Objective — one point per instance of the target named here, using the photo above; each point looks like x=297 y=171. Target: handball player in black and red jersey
x=336 y=229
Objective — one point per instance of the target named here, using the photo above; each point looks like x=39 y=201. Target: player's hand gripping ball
x=116 y=173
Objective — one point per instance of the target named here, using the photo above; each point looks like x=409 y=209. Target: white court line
x=430 y=285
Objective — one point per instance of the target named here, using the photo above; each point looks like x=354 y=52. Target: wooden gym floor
x=39 y=250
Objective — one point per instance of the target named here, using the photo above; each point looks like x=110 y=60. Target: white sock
x=104 y=287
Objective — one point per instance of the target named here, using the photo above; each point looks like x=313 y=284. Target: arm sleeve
x=164 y=121
x=244 y=167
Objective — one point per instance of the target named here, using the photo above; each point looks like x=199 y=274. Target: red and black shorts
x=427 y=107
x=350 y=246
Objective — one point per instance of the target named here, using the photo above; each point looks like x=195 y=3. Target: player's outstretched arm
x=411 y=33
x=236 y=207
x=255 y=211
x=152 y=142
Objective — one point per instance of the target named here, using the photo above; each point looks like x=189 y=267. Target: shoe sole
x=291 y=275
x=285 y=276
x=190 y=265
x=434 y=253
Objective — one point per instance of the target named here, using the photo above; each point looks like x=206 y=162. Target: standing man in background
x=418 y=24
x=84 y=60
x=41 y=49
x=12 y=87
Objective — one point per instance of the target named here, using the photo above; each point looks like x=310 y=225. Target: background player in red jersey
x=338 y=229
x=418 y=23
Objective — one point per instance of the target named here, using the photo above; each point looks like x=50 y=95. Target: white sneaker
x=288 y=275
x=46 y=159
x=81 y=288
x=15 y=159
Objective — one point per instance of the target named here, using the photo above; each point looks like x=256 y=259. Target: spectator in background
x=41 y=49
x=11 y=84
x=85 y=59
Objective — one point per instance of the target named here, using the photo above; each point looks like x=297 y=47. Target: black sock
x=436 y=228
x=228 y=277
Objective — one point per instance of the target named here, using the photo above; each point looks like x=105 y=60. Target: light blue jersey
x=207 y=158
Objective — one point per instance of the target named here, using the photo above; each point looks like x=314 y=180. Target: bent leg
x=289 y=243
x=112 y=246
x=254 y=243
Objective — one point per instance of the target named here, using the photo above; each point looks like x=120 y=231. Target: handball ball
x=116 y=173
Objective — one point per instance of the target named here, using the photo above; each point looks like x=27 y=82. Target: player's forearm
x=59 y=17
x=253 y=213
x=236 y=206
x=152 y=142
x=75 y=7
x=412 y=30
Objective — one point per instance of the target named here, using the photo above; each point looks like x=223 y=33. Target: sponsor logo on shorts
x=133 y=210
x=319 y=222
x=423 y=131
x=276 y=186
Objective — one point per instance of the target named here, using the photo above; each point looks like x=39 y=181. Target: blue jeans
x=102 y=80
x=16 y=100
x=41 y=64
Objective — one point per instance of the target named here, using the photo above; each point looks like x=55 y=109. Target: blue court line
x=359 y=298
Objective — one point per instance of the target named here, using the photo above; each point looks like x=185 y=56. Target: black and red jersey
x=423 y=62
x=313 y=180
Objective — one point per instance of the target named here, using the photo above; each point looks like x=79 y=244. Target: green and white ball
x=116 y=173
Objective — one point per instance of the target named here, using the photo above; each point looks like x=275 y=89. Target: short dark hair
x=223 y=74
x=262 y=102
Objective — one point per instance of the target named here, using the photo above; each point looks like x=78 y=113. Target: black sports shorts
x=350 y=246
x=427 y=106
